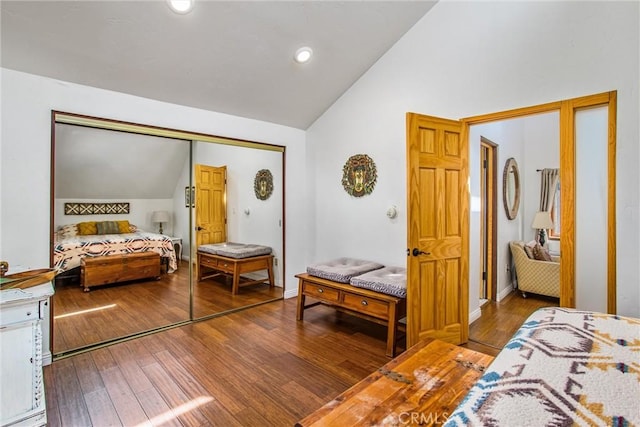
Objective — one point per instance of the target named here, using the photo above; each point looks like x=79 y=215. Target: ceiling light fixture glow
x=181 y=6
x=303 y=55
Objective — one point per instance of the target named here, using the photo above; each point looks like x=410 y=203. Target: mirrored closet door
x=124 y=219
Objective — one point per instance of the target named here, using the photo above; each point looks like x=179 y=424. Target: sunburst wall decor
x=263 y=184
x=359 y=175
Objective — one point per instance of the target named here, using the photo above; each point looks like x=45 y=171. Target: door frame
x=489 y=215
x=568 y=109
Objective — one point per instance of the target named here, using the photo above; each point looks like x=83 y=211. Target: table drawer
x=209 y=262
x=226 y=266
x=366 y=305
x=321 y=292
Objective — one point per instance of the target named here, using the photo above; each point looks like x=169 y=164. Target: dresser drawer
x=20 y=313
x=321 y=292
x=366 y=305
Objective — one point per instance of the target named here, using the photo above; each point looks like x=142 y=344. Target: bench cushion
x=388 y=280
x=342 y=269
x=235 y=250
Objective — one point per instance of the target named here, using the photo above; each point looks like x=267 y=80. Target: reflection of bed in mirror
x=69 y=251
x=235 y=259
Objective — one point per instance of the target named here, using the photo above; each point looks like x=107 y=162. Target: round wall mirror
x=511 y=188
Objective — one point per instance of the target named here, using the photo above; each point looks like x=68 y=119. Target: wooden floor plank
x=175 y=397
x=157 y=410
x=101 y=409
x=124 y=399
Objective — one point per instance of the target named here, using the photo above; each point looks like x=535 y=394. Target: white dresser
x=22 y=401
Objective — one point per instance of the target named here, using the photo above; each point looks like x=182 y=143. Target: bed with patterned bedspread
x=69 y=251
x=562 y=367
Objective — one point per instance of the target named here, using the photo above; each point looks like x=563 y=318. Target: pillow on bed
x=86 y=228
x=123 y=226
x=107 y=227
x=69 y=230
x=132 y=228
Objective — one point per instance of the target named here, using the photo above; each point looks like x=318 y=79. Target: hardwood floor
x=253 y=367
x=500 y=320
x=118 y=310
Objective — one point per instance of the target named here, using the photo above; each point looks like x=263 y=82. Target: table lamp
x=542 y=222
x=160 y=217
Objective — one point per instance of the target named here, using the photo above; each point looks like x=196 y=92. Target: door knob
x=417 y=252
x=198 y=228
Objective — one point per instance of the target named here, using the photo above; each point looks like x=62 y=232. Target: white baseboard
x=503 y=293
x=291 y=293
x=47 y=359
x=474 y=315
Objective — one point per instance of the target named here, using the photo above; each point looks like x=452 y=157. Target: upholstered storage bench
x=103 y=270
x=371 y=305
x=235 y=259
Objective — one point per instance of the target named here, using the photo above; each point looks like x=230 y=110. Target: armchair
x=537 y=277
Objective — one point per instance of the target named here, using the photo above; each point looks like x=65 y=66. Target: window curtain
x=548 y=185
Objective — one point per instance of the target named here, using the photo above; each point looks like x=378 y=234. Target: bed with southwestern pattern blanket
x=562 y=367
x=68 y=251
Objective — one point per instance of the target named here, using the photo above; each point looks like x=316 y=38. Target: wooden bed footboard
x=210 y=265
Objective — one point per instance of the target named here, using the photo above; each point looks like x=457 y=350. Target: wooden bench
x=104 y=270
x=218 y=264
x=422 y=386
x=374 y=306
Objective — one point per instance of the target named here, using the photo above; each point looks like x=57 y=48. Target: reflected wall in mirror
x=99 y=160
x=511 y=188
x=249 y=221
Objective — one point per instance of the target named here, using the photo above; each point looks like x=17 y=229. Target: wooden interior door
x=211 y=204
x=438 y=230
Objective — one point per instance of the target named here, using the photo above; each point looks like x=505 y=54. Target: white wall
x=465 y=59
x=26 y=104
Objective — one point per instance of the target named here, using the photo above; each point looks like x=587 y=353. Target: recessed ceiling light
x=181 y=6
x=303 y=55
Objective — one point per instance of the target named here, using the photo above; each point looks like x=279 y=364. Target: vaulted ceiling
x=233 y=57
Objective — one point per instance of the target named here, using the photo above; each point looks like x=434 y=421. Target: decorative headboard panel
x=95 y=208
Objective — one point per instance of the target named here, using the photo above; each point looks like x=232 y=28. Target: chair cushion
x=342 y=269
x=387 y=280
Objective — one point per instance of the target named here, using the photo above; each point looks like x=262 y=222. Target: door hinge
x=484 y=275
x=485 y=163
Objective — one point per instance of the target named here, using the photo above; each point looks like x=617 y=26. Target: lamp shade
x=542 y=221
x=160 y=216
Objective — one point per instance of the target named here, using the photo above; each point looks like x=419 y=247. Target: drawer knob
x=320 y=290
x=28 y=313
x=364 y=302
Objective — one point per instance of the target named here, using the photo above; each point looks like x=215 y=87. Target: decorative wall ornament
x=263 y=184
x=95 y=208
x=359 y=175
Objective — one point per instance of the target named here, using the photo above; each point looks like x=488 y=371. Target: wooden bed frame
x=235 y=267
